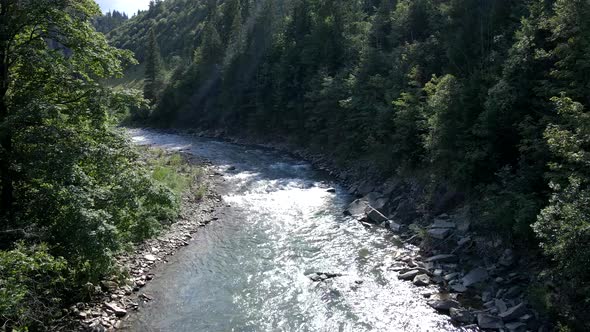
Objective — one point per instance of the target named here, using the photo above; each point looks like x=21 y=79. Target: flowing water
x=248 y=271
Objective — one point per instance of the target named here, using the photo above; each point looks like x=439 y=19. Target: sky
x=128 y=6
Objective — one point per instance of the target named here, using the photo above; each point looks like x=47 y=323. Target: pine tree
x=153 y=80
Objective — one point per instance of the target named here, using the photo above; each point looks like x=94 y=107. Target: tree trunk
x=6 y=194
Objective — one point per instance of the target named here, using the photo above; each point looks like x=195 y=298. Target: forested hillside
x=489 y=98
x=73 y=192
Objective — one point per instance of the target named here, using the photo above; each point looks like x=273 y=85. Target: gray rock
x=451 y=276
x=516 y=327
x=490 y=322
x=463 y=241
x=421 y=280
x=108 y=285
x=507 y=258
x=512 y=292
x=119 y=312
x=458 y=288
x=475 y=276
x=443 y=304
x=375 y=216
x=461 y=315
x=514 y=313
x=150 y=257
x=395 y=227
x=331 y=190
x=365 y=188
x=486 y=296
x=376 y=200
x=443 y=224
x=410 y=275
x=439 y=233
x=441 y=258
x=357 y=209
x=500 y=305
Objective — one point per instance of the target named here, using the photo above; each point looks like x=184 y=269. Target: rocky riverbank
x=114 y=298
x=483 y=282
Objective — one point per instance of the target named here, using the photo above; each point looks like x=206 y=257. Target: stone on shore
x=461 y=315
x=514 y=313
x=441 y=258
x=475 y=276
x=443 y=305
x=410 y=275
x=119 y=312
x=421 y=280
x=486 y=321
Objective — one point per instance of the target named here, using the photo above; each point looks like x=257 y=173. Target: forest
x=488 y=98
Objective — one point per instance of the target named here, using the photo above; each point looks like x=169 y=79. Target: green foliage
x=31 y=284
x=564 y=225
x=68 y=177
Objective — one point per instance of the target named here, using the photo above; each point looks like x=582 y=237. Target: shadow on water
x=248 y=271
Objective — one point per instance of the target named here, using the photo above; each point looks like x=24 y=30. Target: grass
x=174 y=171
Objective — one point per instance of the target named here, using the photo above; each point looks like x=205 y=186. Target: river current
x=249 y=270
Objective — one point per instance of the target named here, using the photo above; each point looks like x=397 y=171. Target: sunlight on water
x=249 y=271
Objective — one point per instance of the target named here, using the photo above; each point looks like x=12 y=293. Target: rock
x=150 y=257
x=461 y=315
x=365 y=188
x=514 y=312
x=486 y=321
x=458 y=288
x=375 y=216
x=421 y=280
x=231 y=168
x=376 y=200
x=451 y=276
x=443 y=224
x=512 y=292
x=441 y=258
x=486 y=296
x=119 y=312
x=516 y=327
x=500 y=305
x=463 y=241
x=439 y=233
x=108 y=285
x=507 y=258
x=475 y=276
x=357 y=209
x=444 y=304
x=331 y=190
x=410 y=275
x=395 y=227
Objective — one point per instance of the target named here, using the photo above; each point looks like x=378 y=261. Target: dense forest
x=73 y=193
x=488 y=98
x=109 y=21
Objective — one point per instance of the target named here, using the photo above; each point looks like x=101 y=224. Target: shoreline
x=115 y=298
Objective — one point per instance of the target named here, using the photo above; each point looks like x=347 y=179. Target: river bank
x=115 y=298
x=484 y=281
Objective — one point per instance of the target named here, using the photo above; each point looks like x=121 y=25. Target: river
x=248 y=271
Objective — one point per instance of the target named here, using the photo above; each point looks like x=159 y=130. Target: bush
x=31 y=282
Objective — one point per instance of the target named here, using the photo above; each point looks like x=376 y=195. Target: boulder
x=108 y=285
x=514 y=313
x=516 y=327
x=119 y=312
x=458 y=288
x=421 y=280
x=475 y=276
x=376 y=200
x=500 y=305
x=439 y=233
x=512 y=292
x=395 y=227
x=441 y=258
x=490 y=322
x=375 y=216
x=451 y=276
x=410 y=275
x=443 y=304
x=443 y=224
x=150 y=257
x=331 y=190
x=462 y=316
x=507 y=258
x=357 y=209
